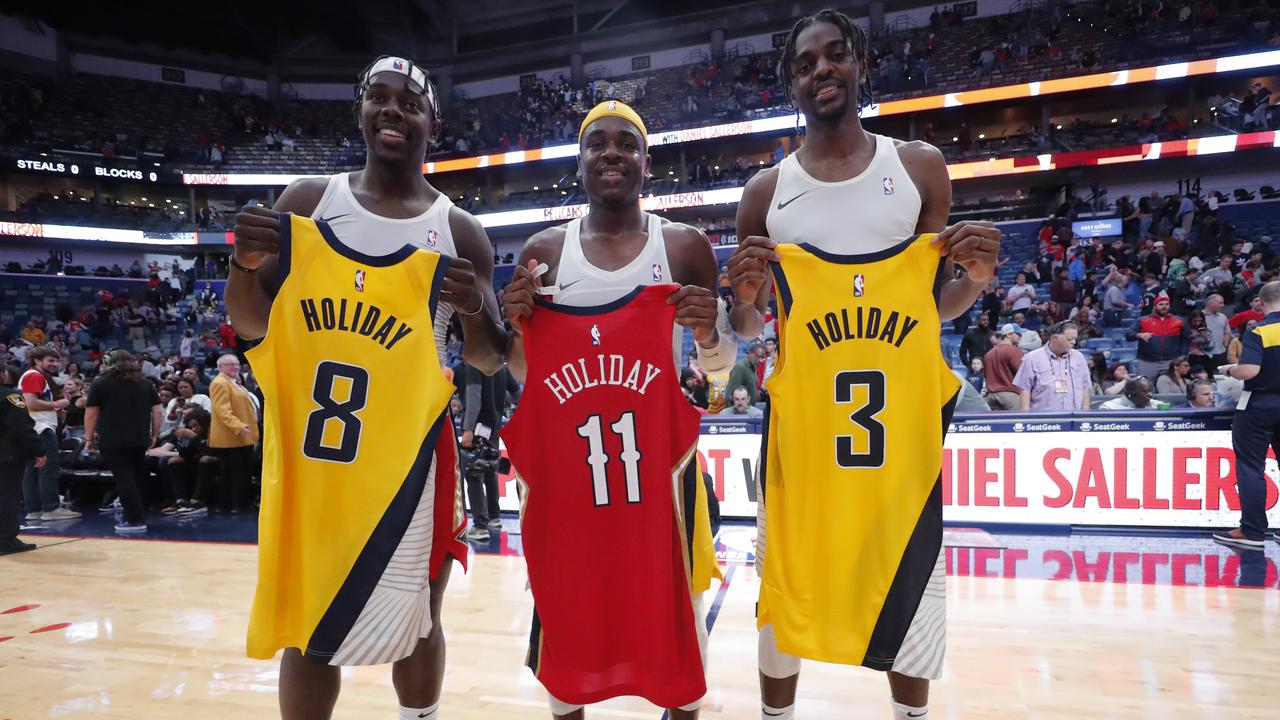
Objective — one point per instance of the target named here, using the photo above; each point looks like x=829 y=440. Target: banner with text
x=1157 y=473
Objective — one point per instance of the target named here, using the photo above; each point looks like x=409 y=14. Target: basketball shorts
x=699 y=621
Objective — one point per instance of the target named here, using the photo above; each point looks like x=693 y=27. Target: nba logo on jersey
x=433 y=239
x=859 y=285
x=888 y=186
x=360 y=281
x=595 y=334
x=657 y=273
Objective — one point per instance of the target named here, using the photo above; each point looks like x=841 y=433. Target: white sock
x=906 y=712
x=426 y=713
x=771 y=713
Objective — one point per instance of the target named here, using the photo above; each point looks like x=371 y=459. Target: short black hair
x=849 y=30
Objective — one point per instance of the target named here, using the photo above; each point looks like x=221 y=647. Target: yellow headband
x=614 y=108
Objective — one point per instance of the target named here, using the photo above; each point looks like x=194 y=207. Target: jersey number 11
x=598 y=460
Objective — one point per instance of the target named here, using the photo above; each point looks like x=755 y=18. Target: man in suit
x=232 y=435
x=19 y=444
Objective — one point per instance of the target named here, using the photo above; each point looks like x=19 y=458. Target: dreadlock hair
x=852 y=34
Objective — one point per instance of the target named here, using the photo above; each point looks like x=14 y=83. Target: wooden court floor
x=155 y=629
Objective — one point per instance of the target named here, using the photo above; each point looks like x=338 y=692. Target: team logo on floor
x=360 y=281
x=888 y=186
x=859 y=285
x=595 y=334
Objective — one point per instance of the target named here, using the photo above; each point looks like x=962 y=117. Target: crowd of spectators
x=1180 y=286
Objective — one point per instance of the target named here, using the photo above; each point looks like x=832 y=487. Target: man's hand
x=1144 y=336
x=468 y=439
x=696 y=309
x=460 y=289
x=40 y=461
x=973 y=245
x=244 y=431
x=89 y=445
x=748 y=267
x=257 y=234
x=518 y=296
x=60 y=403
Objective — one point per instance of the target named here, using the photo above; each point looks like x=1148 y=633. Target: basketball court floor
x=1040 y=626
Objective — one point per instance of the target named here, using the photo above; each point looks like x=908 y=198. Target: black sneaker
x=15 y=546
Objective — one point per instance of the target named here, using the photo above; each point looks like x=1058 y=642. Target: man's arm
x=90 y=426
x=749 y=266
x=519 y=294
x=467 y=282
x=975 y=246
x=1024 y=399
x=156 y=413
x=257 y=236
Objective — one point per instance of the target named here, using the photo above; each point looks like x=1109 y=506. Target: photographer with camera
x=484 y=398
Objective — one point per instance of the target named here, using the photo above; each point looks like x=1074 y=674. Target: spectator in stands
x=695 y=391
x=33 y=333
x=186 y=456
x=741 y=406
x=976 y=377
x=1114 y=302
x=1185 y=293
x=1021 y=295
x=20 y=445
x=185 y=399
x=122 y=420
x=1200 y=395
x=1176 y=378
x=1000 y=366
x=40 y=485
x=73 y=391
x=1243 y=317
x=746 y=374
x=1161 y=337
x=1063 y=290
x=1136 y=396
x=232 y=435
x=1215 y=278
x=1117 y=379
x=1056 y=376
x=1218 y=326
x=977 y=342
x=1236 y=345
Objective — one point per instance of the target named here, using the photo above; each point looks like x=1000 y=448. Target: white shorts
x=699 y=622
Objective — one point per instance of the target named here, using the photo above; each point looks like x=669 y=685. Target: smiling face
x=396 y=121
x=612 y=160
x=826 y=73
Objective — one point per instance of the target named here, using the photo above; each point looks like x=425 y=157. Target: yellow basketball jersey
x=355 y=402
x=858 y=403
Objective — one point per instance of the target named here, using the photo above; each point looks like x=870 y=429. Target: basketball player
x=375 y=212
x=888 y=190
x=606 y=254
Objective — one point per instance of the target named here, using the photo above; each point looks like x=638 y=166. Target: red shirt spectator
x=1242 y=319
x=228 y=335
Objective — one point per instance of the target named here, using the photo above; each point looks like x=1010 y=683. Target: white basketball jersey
x=373 y=234
x=582 y=284
x=874 y=210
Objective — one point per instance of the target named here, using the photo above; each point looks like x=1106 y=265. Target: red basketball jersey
x=601 y=440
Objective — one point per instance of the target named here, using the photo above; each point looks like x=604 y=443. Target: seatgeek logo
x=1088 y=426
x=1037 y=427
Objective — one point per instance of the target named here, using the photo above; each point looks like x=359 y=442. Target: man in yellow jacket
x=232 y=435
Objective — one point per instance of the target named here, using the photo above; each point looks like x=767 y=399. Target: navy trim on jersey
x=862 y=259
x=591 y=309
x=372 y=260
x=353 y=595
x=938 y=280
x=689 y=491
x=915 y=568
x=437 y=284
x=533 y=659
x=284 y=261
x=783 y=286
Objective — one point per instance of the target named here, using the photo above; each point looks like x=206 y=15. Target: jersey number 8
x=864 y=417
x=344 y=412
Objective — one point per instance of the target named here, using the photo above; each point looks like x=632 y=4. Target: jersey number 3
x=864 y=417
x=340 y=411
